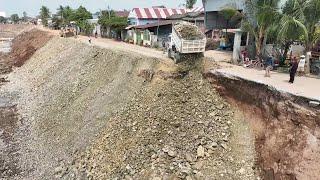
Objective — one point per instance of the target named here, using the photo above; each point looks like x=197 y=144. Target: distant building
x=152 y=26
x=195 y=17
x=3 y=14
x=231 y=39
x=124 y=13
x=213 y=19
x=143 y=16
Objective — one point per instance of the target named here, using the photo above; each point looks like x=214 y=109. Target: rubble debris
x=158 y=134
x=147 y=74
x=188 y=31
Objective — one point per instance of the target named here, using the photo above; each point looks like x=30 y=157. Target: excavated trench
x=286 y=127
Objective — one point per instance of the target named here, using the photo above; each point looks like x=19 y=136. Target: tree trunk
x=108 y=32
x=259 y=43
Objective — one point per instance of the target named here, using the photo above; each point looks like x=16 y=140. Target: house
x=108 y=31
x=150 y=34
x=123 y=13
x=143 y=16
x=195 y=17
x=155 y=24
x=216 y=25
x=213 y=19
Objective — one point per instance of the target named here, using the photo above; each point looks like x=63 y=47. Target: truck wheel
x=169 y=53
x=177 y=58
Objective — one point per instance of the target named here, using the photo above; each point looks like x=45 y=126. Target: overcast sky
x=32 y=6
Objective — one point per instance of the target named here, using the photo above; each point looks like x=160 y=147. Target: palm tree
x=311 y=10
x=190 y=3
x=261 y=16
x=291 y=27
x=60 y=12
x=230 y=14
x=44 y=14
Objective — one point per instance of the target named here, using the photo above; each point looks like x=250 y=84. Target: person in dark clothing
x=293 y=69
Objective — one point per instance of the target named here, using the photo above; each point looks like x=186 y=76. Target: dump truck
x=186 y=41
x=68 y=31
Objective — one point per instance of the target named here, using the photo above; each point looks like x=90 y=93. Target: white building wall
x=3 y=14
x=217 y=5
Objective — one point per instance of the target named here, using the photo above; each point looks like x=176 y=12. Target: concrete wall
x=214 y=20
x=217 y=5
x=135 y=21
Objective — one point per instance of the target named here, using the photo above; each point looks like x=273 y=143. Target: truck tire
x=169 y=53
x=177 y=58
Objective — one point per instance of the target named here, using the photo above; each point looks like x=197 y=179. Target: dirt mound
x=26 y=44
x=149 y=122
x=11 y=31
x=188 y=31
x=65 y=93
x=23 y=47
x=171 y=129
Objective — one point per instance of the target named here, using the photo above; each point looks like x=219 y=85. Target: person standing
x=302 y=63
x=269 y=66
x=293 y=69
x=90 y=39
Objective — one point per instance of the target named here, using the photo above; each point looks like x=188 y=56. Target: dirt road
x=304 y=86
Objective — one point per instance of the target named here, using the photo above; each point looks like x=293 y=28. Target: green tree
x=190 y=3
x=260 y=17
x=3 y=20
x=14 y=18
x=109 y=20
x=299 y=21
x=81 y=14
x=56 y=22
x=85 y=27
x=44 y=15
x=230 y=14
x=60 y=14
x=311 y=11
x=68 y=14
x=25 y=16
x=290 y=27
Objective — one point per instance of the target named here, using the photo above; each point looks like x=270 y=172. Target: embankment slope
x=65 y=93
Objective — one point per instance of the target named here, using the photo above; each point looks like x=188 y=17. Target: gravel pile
x=188 y=31
x=65 y=92
x=91 y=113
x=174 y=129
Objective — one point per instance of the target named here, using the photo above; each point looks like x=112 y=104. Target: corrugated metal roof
x=122 y=13
x=196 y=9
x=155 y=13
x=160 y=13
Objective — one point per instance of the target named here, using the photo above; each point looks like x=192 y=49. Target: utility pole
x=109 y=12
